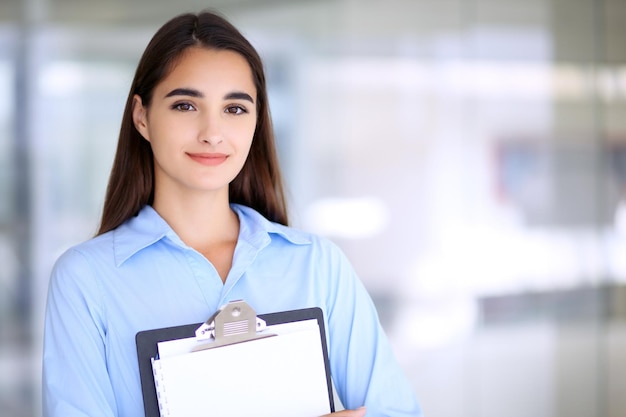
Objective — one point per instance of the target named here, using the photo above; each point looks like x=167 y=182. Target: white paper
x=280 y=376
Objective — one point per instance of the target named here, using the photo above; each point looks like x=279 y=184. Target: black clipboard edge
x=147 y=340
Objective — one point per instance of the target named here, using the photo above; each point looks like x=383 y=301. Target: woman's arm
x=75 y=378
x=363 y=366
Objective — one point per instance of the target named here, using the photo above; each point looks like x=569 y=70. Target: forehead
x=213 y=69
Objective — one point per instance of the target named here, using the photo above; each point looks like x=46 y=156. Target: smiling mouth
x=209 y=159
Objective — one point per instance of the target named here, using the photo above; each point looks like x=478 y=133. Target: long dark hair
x=131 y=183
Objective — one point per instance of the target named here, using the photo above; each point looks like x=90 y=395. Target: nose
x=210 y=130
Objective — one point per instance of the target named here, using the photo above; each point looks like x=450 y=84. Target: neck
x=199 y=220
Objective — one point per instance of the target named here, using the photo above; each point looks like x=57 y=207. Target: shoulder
x=253 y=223
x=93 y=245
x=113 y=248
x=288 y=244
x=79 y=257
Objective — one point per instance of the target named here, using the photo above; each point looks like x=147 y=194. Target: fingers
x=359 y=412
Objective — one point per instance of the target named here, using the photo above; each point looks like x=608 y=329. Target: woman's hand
x=359 y=412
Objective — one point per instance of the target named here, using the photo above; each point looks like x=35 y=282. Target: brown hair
x=131 y=183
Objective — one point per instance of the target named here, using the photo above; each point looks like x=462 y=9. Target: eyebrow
x=191 y=92
x=185 y=92
x=237 y=95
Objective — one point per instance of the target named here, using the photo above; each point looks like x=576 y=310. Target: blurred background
x=468 y=155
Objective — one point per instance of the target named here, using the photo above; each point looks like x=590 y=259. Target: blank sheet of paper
x=279 y=376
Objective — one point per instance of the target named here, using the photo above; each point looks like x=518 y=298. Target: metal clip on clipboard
x=235 y=322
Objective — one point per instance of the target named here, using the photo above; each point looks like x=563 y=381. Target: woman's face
x=201 y=121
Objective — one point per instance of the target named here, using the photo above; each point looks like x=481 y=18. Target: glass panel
x=14 y=362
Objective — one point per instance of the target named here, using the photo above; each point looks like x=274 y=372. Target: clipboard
x=235 y=329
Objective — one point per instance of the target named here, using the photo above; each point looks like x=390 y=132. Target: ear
x=140 y=117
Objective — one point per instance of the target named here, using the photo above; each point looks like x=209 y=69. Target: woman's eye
x=235 y=110
x=183 y=107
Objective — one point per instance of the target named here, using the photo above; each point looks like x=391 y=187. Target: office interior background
x=469 y=156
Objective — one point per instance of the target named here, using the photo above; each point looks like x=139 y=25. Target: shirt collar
x=148 y=227
x=255 y=228
x=139 y=232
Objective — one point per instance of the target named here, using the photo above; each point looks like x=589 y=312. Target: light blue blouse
x=142 y=276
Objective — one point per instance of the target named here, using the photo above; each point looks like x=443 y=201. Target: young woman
x=194 y=217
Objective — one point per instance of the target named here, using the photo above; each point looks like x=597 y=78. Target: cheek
x=239 y=135
x=167 y=135
x=247 y=132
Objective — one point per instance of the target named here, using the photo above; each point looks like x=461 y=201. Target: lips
x=209 y=159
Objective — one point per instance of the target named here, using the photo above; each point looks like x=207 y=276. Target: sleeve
x=75 y=380
x=363 y=366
